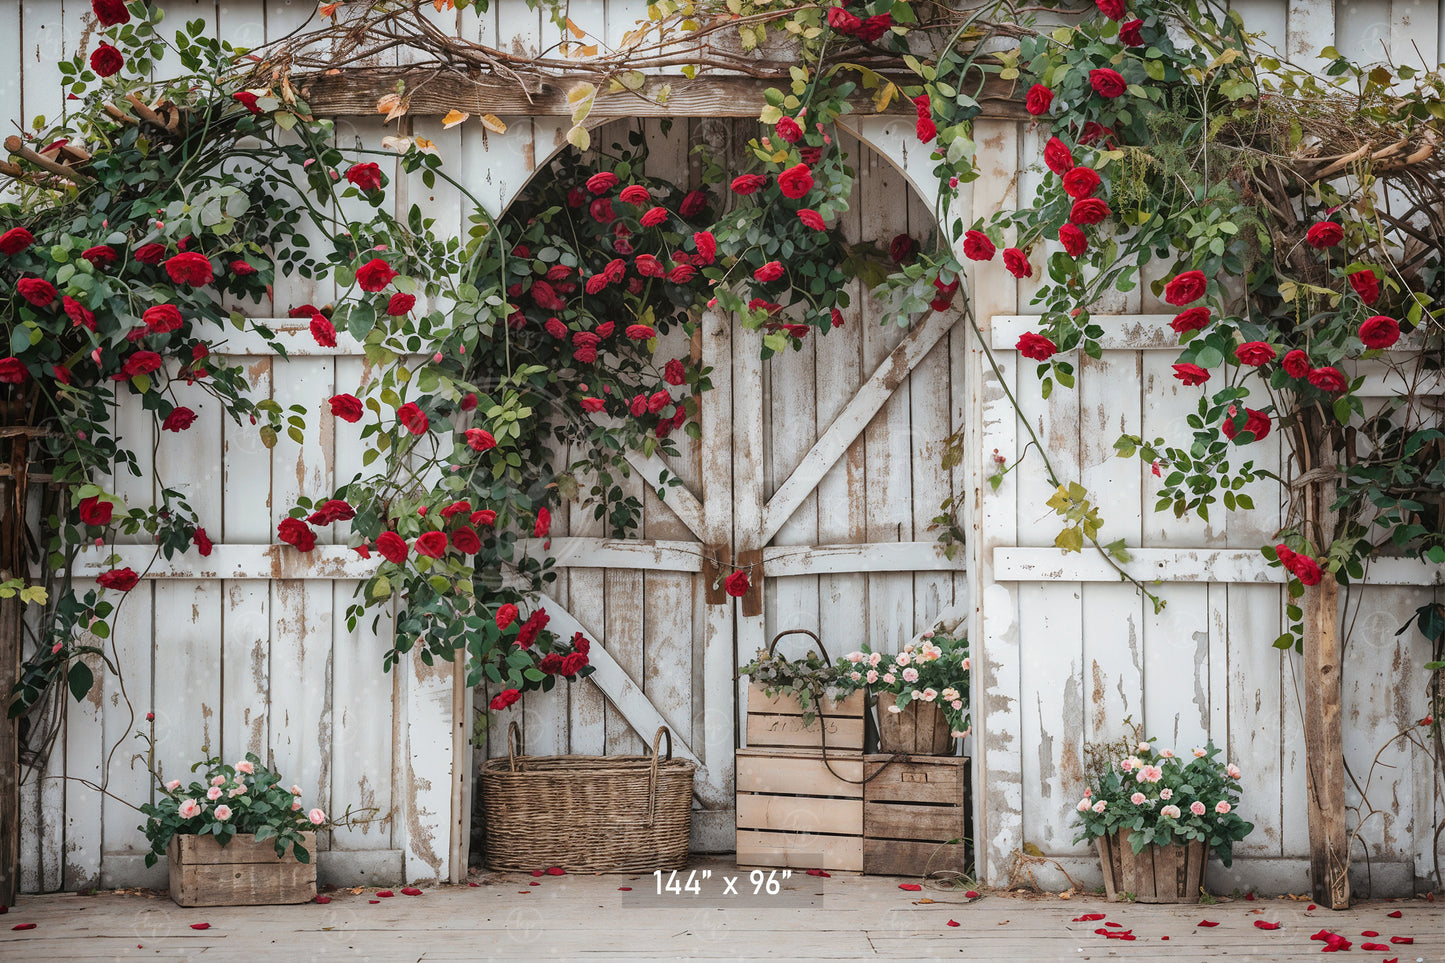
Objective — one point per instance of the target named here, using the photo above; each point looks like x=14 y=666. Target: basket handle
x=652 y=771
x=773 y=645
x=514 y=744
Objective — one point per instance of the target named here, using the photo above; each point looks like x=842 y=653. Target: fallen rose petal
x=971 y=895
x=1395 y=915
x=538 y=872
x=23 y=926
x=1374 y=946
x=1322 y=935
x=1312 y=906
x=474 y=884
x=323 y=899
x=911 y=887
x=200 y=926
x=411 y=891
x=373 y=901
x=1402 y=940
x=1101 y=932
x=1261 y=924
x=556 y=871
x=1164 y=937
x=819 y=873
x=1393 y=959
x=1115 y=925
x=384 y=893
x=1369 y=933
x=1206 y=923
x=624 y=889
x=534 y=884
x=1249 y=896
x=1089 y=917
x=953 y=923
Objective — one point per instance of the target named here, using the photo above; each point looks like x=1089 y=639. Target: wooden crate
x=910 y=812
x=793 y=812
x=241 y=873
x=777 y=722
x=1156 y=874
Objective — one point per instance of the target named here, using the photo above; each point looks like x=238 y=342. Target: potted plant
x=235 y=838
x=1154 y=817
x=921 y=692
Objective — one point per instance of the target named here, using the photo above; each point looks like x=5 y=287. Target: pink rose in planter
x=246 y=767
x=910 y=674
x=316 y=816
x=213 y=793
x=173 y=785
x=189 y=808
x=223 y=812
x=1138 y=799
x=1197 y=808
x=1221 y=807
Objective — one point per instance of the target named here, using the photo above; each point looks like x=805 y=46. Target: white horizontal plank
x=293 y=333
x=232 y=561
x=781 y=560
x=646 y=554
x=1122 y=332
x=1229 y=566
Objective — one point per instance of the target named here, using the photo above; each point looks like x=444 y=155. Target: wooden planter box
x=911 y=811
x=920 y=728
x=1157 y=874
x=777 y=721
x=241 y=873
x=794 y=812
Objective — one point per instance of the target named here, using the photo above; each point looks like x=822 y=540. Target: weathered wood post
x=14 y=424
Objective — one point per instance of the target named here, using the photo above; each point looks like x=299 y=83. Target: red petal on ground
x=1206 y=923
x=384 y=893
x=1101 y=932
x=1088 y=917
x=1369 y=933
x=1402 y=940
x=373 y=901
x=1322 y=935
x=1118 y=926
x=23 y=926
x=411 y=891
x=1374 y=946
x=624 y=889
x=819 y=872
x=323 y=899
x=1261 y=924
x=1312 y=906
x=911 y=887
x=1395 y=915
x=534 y=884
x=953 y=922
x=970 y=895
x=1164 y=937
x=200 y=926
x=556 y=871
x=538 y=872
x=474 y=884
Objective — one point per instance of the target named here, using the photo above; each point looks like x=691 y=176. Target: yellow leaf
x=427 y=147
x=885 y=97
x=494 y=124
x=577 y=31
x=580 y=92
x=588 y=51
x=1227 y=56
x=578 y=137
x=453 y=118
x=392 y=106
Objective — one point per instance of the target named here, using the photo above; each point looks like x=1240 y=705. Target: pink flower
x=1199 y=752
x=246 y=767
x=1197 y=808
x=190 y=808
x=213 y=793
x=1138 y=799
x=1166 y=754
x=1083 y=806
x=1170 y=812
x=1100 y=806
x=295 y=790
x=889 y=678
x=1222 y=807
x=1166 y=794
x=1150 y=774
x=173 y=785
x=910 y=674
x=223 y=812
x=218 y=780
x=316 y=816
x=1233 y=771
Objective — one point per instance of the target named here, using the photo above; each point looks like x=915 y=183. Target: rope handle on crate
x=514 y=744
x=652 y=770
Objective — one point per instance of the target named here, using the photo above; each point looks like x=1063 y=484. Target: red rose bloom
x=648 y=266
x=120 y=579
x=162 y=318
x=1073 y=240
x=531 y=628
x=1191 y=374
x=1058 y=157
x=293 y=531
x=323 y=331
x=1381 y=331
x=658 y=401
x=78 y=313
x=332 y=510
x=190 y=268
x=504 y=699
x=179 y=419
x=1017 y=263
x=1324 y=234
x=1366 y=285
x=768 y=272
x=573 y=664
x=246 y=99
x=977 y=246
x=432 y=544
x=95 y=511
x=601 y=210
x=455 y=509
x=142 y=362
x=551 y=663
x=37 y=291
x=787 y=128
x=737 y=584
x=843 y=21
x=1113 y=9
x=581 y=644
x=1257 y=423
x=62 y=373
x=1184 y=288
x=374 y=275
x=592 y=404
x=1107 y=82
x=485 y=517
x=150 y=253
x=682 y=274
x=796 y=181
x=555 y=328
x=110 y=13
x=926 y=129
x=506 y=615
x=748 y=183
x=242 y=269
x=706 y=246
x=945 y=293
x=1038 y=100
x=653 y=217
x=1328 y=379
x=1089 y=210
x=1036 y=346
x=1305 y=568
x=674 y=373
x=635 y=194
x=1129 y=34
x=693 y=204
x=202 y=541
x=1296 y=364
x=466 y=541
x=1194 y=319
x=366 y=177
x=412 y=417
x=15 y=240
x=812 y=218
x=874 y=27
x=543 y=524
x=392 y=547
x=601 y=182
x=106 y=60
x=1254 y=353
x=13 y=371
x=902 y=249
x=1081 y=182
x=100 y=255
x=638 y=406
x=347 y=407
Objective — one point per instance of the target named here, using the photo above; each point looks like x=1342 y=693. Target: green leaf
x=80 y=679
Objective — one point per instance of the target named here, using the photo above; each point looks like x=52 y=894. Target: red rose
x=1113 y=9
x=455 y=509
x=576 y=197
x=648 y=266
x=1081 y=182
x=638 y=405
x=768 y=272
x=795 y=181
x=1366 y=285
x=293 y=531
x=977 y=246
x=432 y=544
x=584 y=355
x=366 y=177
x=1381 y=331
x=37 y=291
x=1254 y=353
x=1017 y=263
x=658 y=401
x=242 y=269
x=1036 y=346
x=1073 y=240
x=902 y=249
x=504 y=699
x=150 y=253
x=682 y=274
x=787 y=128
x=374 y=275
x=120 y=579
x=653 y=217
x=142 y=362
x=1129 y=34
x=1296 y=364
x=601 y=210
x=843 y=21
x=1089 y=210
x=162 y=318
x=332 y=510
x=640 y=332
x=573 y=664
x=674 y=373
x=592 y=404
x=1328 y=379
x=190 y=268
x=1107 y=82
x=543 y=523
x=555 y=328
x=1256 y=422
x=1304 y=568
x=551 y=663
x=106 y=60
x=78 y=313
x=412 y=417
x=602 y=182
x=100 y=255
x=1184 y=288
x=693 y=204
x=635 y=194
x=95 y=511
x=179 y=419
x=392 y=547
x=581 y=644
x=485 y=517
x=62 y=373
x=748 y=183
x=1324 y=234
x=506 y=615
x=202 y=541
x=737 y=584
x=347 y=407
x=15 y=240
x=1194 y=319
x=323 y=331
x=926 y=129
x=466 y=541
x=400 y=304
x=110 y=13
x=1058 y=157
x=1191 y=374
x=1038 y=100
x=531 y=628
x=246 y=99
x=945 y=293
x=874 y=27
x=812 y=219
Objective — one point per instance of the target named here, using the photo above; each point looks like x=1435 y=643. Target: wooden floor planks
x=843 y=917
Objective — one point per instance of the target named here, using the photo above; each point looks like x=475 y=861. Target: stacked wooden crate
x=915 y=815
x=795 y=808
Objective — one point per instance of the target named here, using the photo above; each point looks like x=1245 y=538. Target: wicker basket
x=597 y=814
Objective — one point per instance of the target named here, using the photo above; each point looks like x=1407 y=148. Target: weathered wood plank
x=801 y=850
x=800 y=814
x=801 y=772
x=1025 y=564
